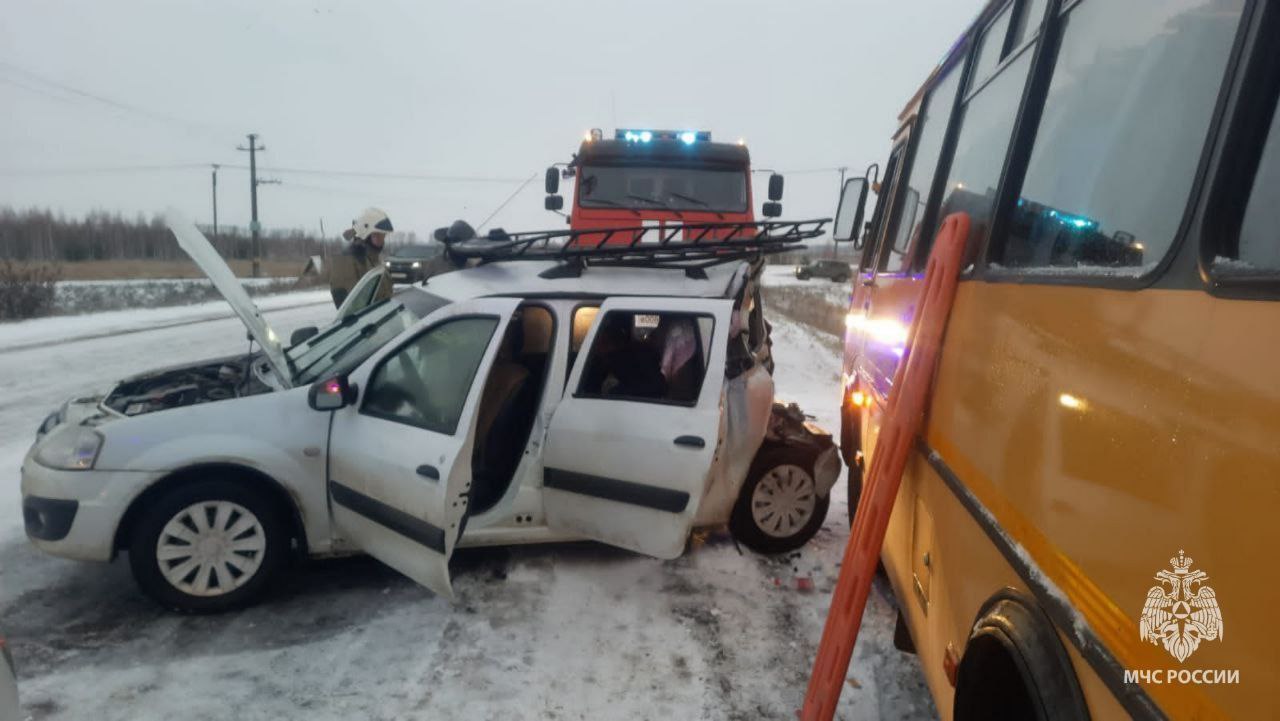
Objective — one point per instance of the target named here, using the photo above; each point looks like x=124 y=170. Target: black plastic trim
x=691 y=441
x=1132 y=697
x=48 y=519
x=411 y=527
x=612 y=489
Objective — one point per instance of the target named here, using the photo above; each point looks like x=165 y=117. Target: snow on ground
x=95 y=296
x=60 y=329
x=784 y=275
x=564 y=631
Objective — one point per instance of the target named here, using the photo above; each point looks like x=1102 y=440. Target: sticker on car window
x=646 y=321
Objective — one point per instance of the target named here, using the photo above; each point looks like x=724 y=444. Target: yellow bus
x=1095 y=496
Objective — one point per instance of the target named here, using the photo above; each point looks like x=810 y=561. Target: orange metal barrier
x=902 y=423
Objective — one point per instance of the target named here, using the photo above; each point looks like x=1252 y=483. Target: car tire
x=233 y=513
x=786 y=473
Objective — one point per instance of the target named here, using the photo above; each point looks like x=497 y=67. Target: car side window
x=655 y=357
x=426 y=382
x=1123 y=127
x=583 y=317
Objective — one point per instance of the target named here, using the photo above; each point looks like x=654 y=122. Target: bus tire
x=1014 y=666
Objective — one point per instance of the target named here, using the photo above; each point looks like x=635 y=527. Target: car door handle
x=427 y=471
x=691 y=441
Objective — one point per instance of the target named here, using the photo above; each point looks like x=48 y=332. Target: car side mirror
x=302 y=334
x=552 y=181
x=553 y=202
x=853 y=203
x=775 y=187
x=771 y=210
x=331 y=394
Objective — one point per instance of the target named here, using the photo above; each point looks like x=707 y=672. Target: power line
x=77 y=93
x=104 y=170
x=392 y=175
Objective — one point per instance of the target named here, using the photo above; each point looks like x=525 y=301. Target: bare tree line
x=40 y=235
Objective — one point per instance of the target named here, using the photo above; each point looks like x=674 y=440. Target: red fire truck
x=647 y=178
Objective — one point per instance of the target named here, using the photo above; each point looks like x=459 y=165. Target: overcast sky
x=491 y=90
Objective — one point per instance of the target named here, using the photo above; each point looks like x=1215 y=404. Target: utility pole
x=840 y=193
x=215 y=200
x=254 y=227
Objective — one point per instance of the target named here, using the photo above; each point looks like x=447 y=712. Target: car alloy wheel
x=211 y=548
x=784 y=500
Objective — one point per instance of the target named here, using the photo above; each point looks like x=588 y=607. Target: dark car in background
x=836 y=270
x=411 y=263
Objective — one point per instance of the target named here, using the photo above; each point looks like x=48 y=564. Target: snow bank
x=60 y=329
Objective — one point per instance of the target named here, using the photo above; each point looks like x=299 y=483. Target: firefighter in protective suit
x=368 y=234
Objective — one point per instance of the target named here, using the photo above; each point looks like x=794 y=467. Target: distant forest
x=40 y=235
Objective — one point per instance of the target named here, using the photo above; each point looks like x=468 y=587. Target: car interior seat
x=508 y=407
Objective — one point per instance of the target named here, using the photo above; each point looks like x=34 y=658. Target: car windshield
x=345 y=344
x=664 y=188
x=416 y=252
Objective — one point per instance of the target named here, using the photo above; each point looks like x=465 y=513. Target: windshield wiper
x=656 y=202
x=614 y=204
x=699 y=201
x=368 y=330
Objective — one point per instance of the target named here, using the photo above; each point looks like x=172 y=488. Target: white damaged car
x=509 y=402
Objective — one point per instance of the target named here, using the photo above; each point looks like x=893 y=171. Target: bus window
x=1259 y=247
x=1124 y=123
x=986 y=125
x=1027 y=24
x=930 y=130
x=990 y=48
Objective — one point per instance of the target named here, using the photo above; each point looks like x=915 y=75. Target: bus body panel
x=1105 y=430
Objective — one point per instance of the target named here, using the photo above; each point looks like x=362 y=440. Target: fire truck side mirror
x=775 y=187
x=771 y=209
x=553 y=181
x=853 y=203
x=553 y=202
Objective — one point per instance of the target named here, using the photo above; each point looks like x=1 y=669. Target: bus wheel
x=1014 y=666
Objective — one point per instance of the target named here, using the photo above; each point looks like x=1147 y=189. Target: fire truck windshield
x=662 y=188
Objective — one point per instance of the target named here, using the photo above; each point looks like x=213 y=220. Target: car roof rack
x=691 y=247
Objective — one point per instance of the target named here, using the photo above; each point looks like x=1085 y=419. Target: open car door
x=364 y=293
x=629 y=450
x=400 y=456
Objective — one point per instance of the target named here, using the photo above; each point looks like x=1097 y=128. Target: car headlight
x=75 y=449
x=387 y=263
x=417 y=264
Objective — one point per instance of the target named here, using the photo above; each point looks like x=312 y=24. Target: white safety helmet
x=372 y=220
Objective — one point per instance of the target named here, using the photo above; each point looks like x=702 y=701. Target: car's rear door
x=630 y=448
x=400 y=457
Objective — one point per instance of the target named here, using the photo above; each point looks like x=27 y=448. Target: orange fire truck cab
x=647 y=178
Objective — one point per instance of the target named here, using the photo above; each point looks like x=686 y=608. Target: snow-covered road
x=567 y=631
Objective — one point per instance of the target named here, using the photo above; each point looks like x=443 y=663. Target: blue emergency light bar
x=688 y=137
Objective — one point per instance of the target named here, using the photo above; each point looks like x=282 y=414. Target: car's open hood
x=197 y=246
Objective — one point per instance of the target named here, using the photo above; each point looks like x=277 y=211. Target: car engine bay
x=176 y=387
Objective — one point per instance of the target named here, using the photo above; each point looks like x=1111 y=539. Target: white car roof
x=524 y=278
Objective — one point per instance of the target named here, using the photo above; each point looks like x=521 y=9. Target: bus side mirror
x=553 y=202
x=552 y=181
x=775 y=187
x=853 y=203
x=771 y=210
